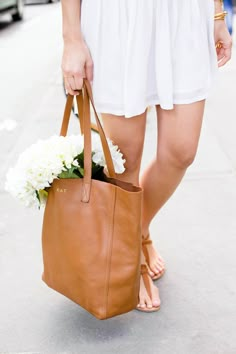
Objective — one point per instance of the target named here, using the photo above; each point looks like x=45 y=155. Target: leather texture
x=91 y=236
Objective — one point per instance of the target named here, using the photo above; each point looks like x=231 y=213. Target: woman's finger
x=226 y=58
x=220 y=57
x=78 y=81
x=71 y=82
x=227 y=48
x=220 y=54
x=69 y=88
x=89 y=69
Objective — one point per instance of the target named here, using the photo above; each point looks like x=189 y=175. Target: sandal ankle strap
x=144 y=269
x=146 y=241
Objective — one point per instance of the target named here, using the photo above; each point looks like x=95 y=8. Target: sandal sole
x=153 y=309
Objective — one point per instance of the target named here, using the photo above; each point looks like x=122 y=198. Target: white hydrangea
x=39 y=165
x=45 y=160
x=98 y=156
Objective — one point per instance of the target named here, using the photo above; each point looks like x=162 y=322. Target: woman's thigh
x=128 y=134
x=178 y=133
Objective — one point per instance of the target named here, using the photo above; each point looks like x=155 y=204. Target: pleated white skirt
x=149 y=52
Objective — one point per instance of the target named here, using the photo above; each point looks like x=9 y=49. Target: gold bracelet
x=220 y=15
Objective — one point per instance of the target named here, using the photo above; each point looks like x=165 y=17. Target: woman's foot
x=154 y=261
x=149 y=299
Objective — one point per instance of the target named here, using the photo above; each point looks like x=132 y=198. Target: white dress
x=149 y=52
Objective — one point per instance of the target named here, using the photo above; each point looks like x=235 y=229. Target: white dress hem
x=110 y=109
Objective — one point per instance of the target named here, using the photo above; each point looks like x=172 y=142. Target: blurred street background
x=195 y=231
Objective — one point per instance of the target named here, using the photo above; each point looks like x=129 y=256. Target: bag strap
x=80 y=106
x=67 y=112
x=66 y=115
x=83 y=101
x=105 y=147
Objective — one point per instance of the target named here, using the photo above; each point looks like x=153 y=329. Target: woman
x=139 y=53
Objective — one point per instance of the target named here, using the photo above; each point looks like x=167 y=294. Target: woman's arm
x=223 y=39
x=76 y=60
x=218 y=6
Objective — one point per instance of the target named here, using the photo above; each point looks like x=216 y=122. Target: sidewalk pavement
x=195 y=233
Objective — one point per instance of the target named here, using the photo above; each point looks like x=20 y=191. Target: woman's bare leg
x=128 y=134
x=178 y=136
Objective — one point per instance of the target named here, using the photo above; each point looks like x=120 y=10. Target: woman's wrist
x=220 y=14
x=70 y=37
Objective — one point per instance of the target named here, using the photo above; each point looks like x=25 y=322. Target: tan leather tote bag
x=91 y=236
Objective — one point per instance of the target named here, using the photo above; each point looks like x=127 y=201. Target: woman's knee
x=128 y=134
x=180 y=156
x=179 y=132
x=132 y=152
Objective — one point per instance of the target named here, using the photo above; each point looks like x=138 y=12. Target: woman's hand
x=223 y=42
x=76 y=64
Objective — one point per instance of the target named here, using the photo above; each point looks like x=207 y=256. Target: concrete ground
x=195 y=231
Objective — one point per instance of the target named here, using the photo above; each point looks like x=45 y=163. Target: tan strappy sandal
x=145 y=242
x=146 y=279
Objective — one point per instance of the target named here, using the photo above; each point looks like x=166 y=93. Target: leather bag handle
x=83 y=101
x=105 y=147
x=67 y=112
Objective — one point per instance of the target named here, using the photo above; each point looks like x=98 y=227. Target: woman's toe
x=149 y=303
x=160 y=262
x=151 y=273
x=145 y=302
x=159 y=267
x=156 y=297
x=142 y=303
x=156 y=303
x=153 y=267
x=156 y=268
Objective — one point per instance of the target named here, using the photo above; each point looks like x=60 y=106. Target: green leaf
x=42 y=195
x=37 y=195
x=67 y=174
x=72 y=172
x=81 y=170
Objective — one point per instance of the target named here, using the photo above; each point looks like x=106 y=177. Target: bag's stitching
x=109 y=254
x=86 y=192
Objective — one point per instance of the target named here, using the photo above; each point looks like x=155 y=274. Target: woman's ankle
x=145 y=232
